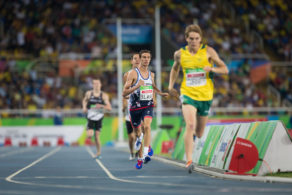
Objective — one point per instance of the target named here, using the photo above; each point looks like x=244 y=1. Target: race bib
x=146 y=93
x=195 y=77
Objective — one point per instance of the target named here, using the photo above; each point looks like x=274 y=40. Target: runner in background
x=94 y=103
x=135 y=61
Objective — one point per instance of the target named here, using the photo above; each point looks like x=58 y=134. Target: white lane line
x=9 y=178
x=15 y=152
x=111 y=176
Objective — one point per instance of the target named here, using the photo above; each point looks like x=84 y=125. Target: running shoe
x=190 y=166
x=139 y=164
x=131 y=157
x=147 y=159
x=99 y=157
x=150 y=151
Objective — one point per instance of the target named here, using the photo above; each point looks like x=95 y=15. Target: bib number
x=195 y=78
x=146 y=93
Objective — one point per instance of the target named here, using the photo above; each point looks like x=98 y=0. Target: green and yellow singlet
x=197 y=84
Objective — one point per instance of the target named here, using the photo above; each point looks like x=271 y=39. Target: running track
x=72 y=170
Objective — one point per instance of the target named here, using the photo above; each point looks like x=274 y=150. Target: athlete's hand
x=99 y=106
x=164 y=94
x=207 y=69
x=85 y=110
x=174 y=93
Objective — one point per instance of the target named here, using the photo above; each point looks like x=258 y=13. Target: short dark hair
x=133 y=54
x=96 y=78
x=144 y=51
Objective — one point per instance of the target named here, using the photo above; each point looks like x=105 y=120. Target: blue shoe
x=99 y=157
x=150 y=151
x=139 y=164
x=147 y=159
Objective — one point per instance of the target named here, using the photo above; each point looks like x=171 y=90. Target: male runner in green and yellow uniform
x=196 y=60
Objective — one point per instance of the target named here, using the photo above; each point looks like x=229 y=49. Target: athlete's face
x=96 y=84
x=145 y=59
x=136 y=60
x=194 y=40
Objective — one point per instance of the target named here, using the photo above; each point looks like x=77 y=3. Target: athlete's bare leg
x=147 y=131
x=189 y=113
x=97 y=143
x=201 y=124
x=132 y=139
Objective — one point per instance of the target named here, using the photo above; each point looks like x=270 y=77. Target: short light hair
x=193 y=28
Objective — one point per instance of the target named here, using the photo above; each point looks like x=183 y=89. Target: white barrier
x=270 y=138
x=47 y=134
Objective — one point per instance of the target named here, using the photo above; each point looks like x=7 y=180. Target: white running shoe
x=131 y=157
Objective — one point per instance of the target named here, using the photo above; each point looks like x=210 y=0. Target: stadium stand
x=54 y=30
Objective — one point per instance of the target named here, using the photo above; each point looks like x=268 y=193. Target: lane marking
x=91 y=177
x=9 y=178
x=111 y=176
x=160 y=191
x=15 y=152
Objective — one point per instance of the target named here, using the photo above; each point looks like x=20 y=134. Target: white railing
x=273 y=91
x=165 y=111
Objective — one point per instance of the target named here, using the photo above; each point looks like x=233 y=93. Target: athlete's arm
x=174 y=73
x=125 y=77
x=124 y=81
x=155 y=88
x=125 y=104
x=131 y=79
x=107 y=103
x=85 y=101
x=221 y=67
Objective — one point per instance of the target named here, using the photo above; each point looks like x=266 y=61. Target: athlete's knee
x=90 y=133
x=131 y=136
x=146 y=128
x=190 y=126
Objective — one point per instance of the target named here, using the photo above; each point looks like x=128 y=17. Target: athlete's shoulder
x=104 y=94
x=88 y=92
x=177 y=52
x=133 y=72
x=210 y=49
x=177 y=55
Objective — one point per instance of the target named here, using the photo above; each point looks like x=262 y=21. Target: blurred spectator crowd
x=272 y=19
x=32 y=29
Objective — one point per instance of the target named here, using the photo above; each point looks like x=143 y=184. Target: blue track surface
x=72 y=170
